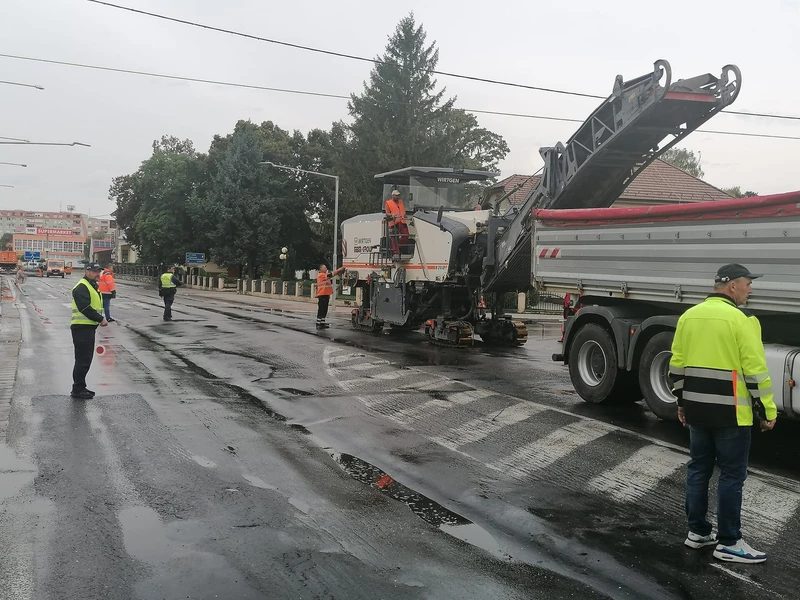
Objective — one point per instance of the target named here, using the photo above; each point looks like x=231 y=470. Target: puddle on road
x=15 y=473
x=259 y=483
x=303 y=507
x=203 y=461
x=144 y=536
x=426 y=509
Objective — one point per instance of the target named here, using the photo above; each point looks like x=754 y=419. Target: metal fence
x=542 y=304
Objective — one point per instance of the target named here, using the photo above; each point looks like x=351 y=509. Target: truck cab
x=55 y=268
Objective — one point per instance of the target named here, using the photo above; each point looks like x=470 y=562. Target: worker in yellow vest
x=324 y=292
x=722 y=385
x=87 y=314
x=167 y=287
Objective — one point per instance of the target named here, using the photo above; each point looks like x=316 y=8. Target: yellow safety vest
x=166 y=281
x=718 y=366
x=78 y=318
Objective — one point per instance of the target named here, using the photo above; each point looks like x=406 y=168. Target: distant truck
x=55 y=268
x=631 y=273
x=8 y=261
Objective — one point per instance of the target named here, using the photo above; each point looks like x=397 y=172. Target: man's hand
x=103 y=323
x=767 y=425
x=682 y=416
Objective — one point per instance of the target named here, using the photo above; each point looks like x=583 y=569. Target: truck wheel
x=654 y=376
x=593 y=368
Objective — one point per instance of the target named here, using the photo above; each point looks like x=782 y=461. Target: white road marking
x=545 y=451
x=766 y=508
x=485 y=425
x=365 y=366
x=433 y=407
x=738 y=576
x=337 y=360
x=769 y=502
x=638 y=474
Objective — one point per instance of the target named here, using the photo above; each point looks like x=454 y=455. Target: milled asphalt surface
x=236 y=452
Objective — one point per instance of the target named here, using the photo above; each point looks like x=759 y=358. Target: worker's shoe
x=740 y=552
x=110 y=319
x=82 y=395
x=694 y=540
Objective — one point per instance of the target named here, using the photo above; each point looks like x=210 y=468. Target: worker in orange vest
x=108 y=290
x=396 y=218
x=324 y=292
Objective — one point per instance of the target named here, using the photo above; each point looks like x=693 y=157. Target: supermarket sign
x=47 y=231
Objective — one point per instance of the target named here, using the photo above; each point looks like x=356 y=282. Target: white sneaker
x=740 y=552
x=695 y=541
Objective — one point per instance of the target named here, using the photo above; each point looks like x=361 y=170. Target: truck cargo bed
x=669 y=254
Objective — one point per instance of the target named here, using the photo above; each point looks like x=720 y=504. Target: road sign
x=32 y=255
x=195 y=258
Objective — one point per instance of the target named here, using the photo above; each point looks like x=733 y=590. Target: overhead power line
x=30 y=85
x=379 y=62
x=337 y=96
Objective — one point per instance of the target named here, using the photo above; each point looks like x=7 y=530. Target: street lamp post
x=13 y=164
x=335 y=211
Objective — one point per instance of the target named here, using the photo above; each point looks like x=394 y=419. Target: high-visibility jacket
x=718 y=366
x=324 y=286
x=166 y=281
x=78 y=318
x=105 y=282
x=396 y=211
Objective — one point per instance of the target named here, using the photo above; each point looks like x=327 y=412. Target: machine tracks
x=455 y=334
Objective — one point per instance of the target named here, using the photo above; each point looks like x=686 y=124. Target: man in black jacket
x=167 y=287
x=87 y=308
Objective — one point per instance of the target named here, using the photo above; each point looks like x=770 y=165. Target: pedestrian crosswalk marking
x=431 y=408
x=639 y=473
x=543 y=452
x=485 y=425
x=367 y=366
x=769 y=502
x=766 y=508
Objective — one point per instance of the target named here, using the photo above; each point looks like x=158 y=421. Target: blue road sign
x=195 y=258
x=32 y=255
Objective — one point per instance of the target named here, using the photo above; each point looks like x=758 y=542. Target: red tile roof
x=658 y=183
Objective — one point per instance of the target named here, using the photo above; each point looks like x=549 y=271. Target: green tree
x=401 y=119
x=6 y=241
x=685 y=160
x=737 y=192
x=250 y=211
x=153 y=204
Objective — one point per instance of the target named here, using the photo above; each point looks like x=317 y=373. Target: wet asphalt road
x=238 y=453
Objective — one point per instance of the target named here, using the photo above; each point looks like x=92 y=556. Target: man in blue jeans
x=720 y=381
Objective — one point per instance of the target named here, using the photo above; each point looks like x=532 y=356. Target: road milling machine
x=451 y=272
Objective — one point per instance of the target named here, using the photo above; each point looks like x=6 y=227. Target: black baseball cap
x=733 y=271
x=93 y=267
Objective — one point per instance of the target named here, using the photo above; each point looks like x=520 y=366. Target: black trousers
x=322 y=308
x=83 y=340
x=168 y=300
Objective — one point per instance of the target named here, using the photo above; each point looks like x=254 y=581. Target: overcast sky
x=578 y=45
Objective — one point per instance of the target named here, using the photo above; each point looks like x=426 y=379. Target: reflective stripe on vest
x=324 y=287
x=166 y=281
x=718 y=367
x=78 y=318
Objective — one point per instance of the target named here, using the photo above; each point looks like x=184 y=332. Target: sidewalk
x=10 y=339
x=289 y=305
